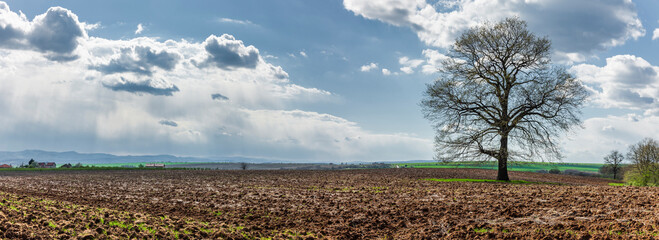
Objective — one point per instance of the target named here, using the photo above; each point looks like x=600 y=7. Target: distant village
x=35 y=164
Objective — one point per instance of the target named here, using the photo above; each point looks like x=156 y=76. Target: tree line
x=640 y=166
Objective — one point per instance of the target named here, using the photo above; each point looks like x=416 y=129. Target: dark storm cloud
x=227 y=53
x=142 y=87
x=218 y=96
x=140 y=60
x=168 y=123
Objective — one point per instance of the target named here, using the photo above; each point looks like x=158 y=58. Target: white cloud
x=55 y=33
x=625 y=81
x=409 y=64
x=369 y=67
x=139 y=29
x=235 y=21
x=413 y=63
x=655 y=34
x=407 y=70
x=144 y=96
x=601 y=135
x=91 y=26
x=610 y=23
x=302 y=53
x=433 y=62
x=386 y=72
x=228 y=52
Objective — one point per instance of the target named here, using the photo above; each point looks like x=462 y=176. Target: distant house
x=46 y=165
x=5 y=166
x=154 y=165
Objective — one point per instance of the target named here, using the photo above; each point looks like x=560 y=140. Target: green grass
x=481 y=230
x=618 y=184
x=481 y=180
x=119 y=224
x=137 y=164
x=512 y=166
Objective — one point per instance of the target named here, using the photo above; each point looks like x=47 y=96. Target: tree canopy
x=500 y=97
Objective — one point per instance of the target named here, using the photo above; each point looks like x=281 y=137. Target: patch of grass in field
x=481 y=180
x=119 y=224
x=481 y=230
x=618 y=184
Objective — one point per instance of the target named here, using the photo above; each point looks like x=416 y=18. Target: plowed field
x=350 y=204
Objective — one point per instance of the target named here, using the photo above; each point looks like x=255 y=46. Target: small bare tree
x=243 y=165
x=498 y=96
x=614 y=160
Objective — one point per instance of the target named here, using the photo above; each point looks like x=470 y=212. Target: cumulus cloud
x=609 y=23
x=655 y=34
x=168 y=123
x=625 y=81
x=56 y=33
x=386 y=72
x=140 y=60
x=227 y=52
x=139 y=29
x=302 y=53
x=369 y=67
x=153 y=87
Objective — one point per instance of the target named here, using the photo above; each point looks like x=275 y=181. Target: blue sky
x=293 y=80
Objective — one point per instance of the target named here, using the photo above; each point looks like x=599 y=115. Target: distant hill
x=22 y=157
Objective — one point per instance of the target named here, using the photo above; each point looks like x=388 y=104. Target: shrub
x=555 y=171
x=635 y=177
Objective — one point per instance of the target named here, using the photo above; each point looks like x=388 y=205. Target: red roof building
x=5 y=166
x=46 y=165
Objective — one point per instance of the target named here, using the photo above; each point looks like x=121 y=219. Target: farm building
x=155 y=165
x=46 y=165
x=5 y=166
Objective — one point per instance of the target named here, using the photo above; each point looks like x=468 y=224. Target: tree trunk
x=503 y=159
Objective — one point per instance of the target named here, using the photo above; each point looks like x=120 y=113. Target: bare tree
x=614 y=160
x=645 y=159
x=243 y=165
x=499 y=97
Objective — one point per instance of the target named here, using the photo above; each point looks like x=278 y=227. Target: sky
x=295 y=80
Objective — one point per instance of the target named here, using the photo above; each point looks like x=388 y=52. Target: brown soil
x=349 y=204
